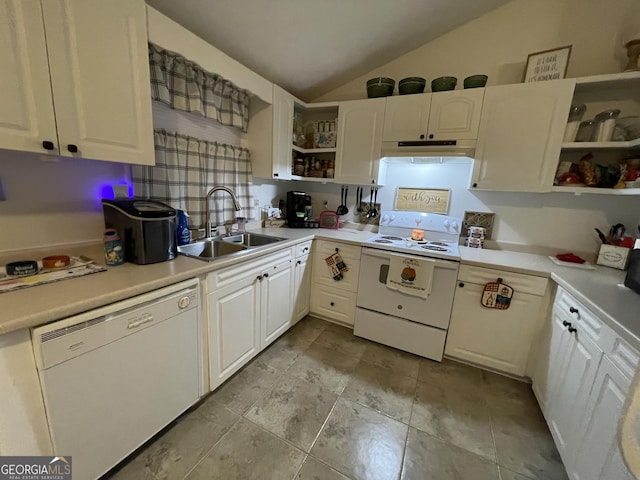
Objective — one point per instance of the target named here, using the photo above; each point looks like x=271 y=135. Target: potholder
x=496 y=295
x=336 y=266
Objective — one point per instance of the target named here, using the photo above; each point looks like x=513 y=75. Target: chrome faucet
x=208 y=209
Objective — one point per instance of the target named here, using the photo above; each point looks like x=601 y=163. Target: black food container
x=147 y=228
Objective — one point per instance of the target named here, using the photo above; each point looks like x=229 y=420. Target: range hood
x=430 y=148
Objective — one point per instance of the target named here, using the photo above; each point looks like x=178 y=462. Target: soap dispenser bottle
x=183 y=233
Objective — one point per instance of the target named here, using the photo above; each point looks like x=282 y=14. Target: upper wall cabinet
x=520 y=135
x=93 y=66
x=360 y=124
x=440 y=116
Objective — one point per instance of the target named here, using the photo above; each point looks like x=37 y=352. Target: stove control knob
x=418 y=221
x=393 y=217
x=455 y=225
x=385 y=219
x=446 y=224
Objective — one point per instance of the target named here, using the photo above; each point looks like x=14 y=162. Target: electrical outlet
x=256 y=202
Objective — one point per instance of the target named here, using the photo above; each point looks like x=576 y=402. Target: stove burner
x=382 y=240
x=434 y=248
x=390 y=237
x=439 y=244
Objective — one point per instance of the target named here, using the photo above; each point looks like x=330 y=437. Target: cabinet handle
x=571 y=329
x=461 y=284
x=72 y=148
x=474 y=185
x=275 y=174
x=573 y=310
x=422 y=137
x=373 y=181
x=259 y=277
x=305 y=249
x=47 y=145
x=431 y=135
x=566 y=324
x=266 y=275
x=298 y=262
x=332 y=304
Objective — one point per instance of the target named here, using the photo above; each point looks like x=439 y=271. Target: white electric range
x=391 y=317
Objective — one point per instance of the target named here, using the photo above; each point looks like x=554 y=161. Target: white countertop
x=598 y=289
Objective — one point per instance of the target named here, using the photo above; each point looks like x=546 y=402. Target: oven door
x=373 y=294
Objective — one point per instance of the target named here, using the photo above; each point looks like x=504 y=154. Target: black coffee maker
x=299 y=211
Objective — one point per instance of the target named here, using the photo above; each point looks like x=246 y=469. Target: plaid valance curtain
x=184 y=85
x=186 y=169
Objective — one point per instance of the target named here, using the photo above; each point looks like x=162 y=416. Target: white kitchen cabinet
x=331 y=299
x=95 y=63
x=360 y=124
x=270 y=137
x=249 y=306
x=406 y=117
x=498 y=339
x=520 y=135
x=301 y=282
x=597 y=455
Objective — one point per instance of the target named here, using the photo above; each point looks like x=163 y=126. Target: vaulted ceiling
x=312 y=47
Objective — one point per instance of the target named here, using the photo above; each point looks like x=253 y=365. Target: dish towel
x=410 y=275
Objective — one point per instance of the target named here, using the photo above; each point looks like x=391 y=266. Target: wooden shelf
x=312 y=179
x=313 y=150
x=601 y=145
x=597 y=191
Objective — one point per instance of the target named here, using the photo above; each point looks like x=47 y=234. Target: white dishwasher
x=113 y=377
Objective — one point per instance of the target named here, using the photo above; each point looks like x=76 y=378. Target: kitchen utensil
x=475 y=81
x=601 y=236
x=359 y=200
x=342 y=208
x=370 y=203
x=373 y=212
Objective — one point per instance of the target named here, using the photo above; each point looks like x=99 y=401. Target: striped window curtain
x=184 y=85
x=186 y=168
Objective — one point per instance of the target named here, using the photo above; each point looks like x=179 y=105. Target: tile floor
x=321 y=403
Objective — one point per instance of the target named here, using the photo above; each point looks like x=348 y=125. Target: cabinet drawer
x=333 y=303
x=625 y=357
x=326 y=248
x=226 y=276
x=520 y=282
x=570 y=309
x=322 y=276
x=303 y=248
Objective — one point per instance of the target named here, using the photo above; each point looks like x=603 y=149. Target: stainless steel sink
x=251 y=239
x=209 y=249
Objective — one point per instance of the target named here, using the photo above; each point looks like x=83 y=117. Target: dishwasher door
x=114 y=377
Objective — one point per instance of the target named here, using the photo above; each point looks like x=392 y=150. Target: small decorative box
x=613 y=256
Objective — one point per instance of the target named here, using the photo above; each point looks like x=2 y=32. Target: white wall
x=498 y=43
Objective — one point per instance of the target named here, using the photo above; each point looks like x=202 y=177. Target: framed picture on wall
x=547 y=65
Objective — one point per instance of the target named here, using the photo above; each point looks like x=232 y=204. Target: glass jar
x=585 y=131
x=576 y=112
x=605 y=124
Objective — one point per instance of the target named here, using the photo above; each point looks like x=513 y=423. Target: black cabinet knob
x=266 y=275
x=72 y=148
x=571 y=329
x=431 y=135
x=332 y=304
x=474 y=185
x=566 y=324
x=47 y=145
x=573 y=310
x=422 y=137
x=461 y=284
x=259 y=277
x=275 y=174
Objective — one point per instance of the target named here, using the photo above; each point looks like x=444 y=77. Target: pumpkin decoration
x=408 y=274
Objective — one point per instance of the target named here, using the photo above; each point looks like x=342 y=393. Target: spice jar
x=113 y=251
x=605 y=123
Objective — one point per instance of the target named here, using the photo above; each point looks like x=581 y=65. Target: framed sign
x=547 y=65
x=428 y=200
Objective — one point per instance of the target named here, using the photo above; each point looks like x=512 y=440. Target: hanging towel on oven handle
x=410 y=275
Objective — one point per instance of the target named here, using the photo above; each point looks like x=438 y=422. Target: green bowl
x=442 y=84
x=411 y=85
x=475 y=81
x=380 y=87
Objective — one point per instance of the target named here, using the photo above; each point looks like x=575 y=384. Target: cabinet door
x=360 y=125
x=277 y=297
x=520 y=136
x=597 y=456
x=455 y=115
x=301 y=288
x=99 y=68
x=406 y=117
x=569 y=398
x=234 y=328
x=498 y=339
x=26 y=116
x=282 y=133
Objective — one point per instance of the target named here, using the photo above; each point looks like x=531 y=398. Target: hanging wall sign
x=427 y=200
x=496 y=295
